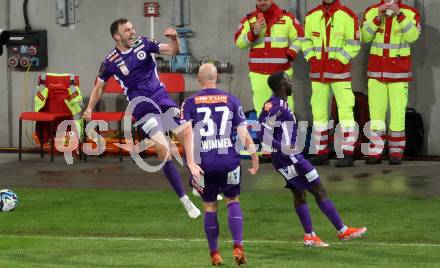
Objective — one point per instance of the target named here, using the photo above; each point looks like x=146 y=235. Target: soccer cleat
x=238 y=254
x=373 y=161
x=320 y=160
x=351 y=233
x=314 y=241
x=219 y=197
x=347 y=161
x=192 y=210
x=216 y=259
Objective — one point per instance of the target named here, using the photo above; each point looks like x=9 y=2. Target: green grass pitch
x=105 y=228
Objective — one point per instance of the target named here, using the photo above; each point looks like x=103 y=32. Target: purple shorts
x=299 y=173
x=161 y=115
x=215 y=183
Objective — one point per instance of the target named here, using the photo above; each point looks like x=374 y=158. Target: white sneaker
x=192 y=210
x=219 y=197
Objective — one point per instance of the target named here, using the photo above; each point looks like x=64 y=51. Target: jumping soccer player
x=216 y=116
x=279 y=131
x=133 y=66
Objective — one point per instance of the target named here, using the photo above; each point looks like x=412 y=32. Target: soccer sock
x=332 y=214
x=235 y=222
x=303 y=213
x=170 y=171
x=211 y=230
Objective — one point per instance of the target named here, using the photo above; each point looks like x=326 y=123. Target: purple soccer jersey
x=134 y=69
x=279 y=130
x=215 y=115
x=136 y=72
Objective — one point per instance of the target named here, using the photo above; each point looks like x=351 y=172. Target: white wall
x=214 y=22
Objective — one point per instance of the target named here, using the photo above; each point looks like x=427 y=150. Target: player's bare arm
x=96 y=95
x=246 y=139
x=173 y=47
x=188 y=144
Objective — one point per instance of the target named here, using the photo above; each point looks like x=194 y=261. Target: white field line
x=180 y=240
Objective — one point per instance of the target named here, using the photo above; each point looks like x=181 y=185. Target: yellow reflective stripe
x=369 y=29
x=295 y=47
x=408 y=27
x=353 y=42
x=345 y=54
x=315 y=75
x=390 y=75
x=271 y=39
x=397 y=134
x=337 y=76
x=308 y=51
x=390 y=46
x=77 y=116
x=339 y=50
x=268 y=60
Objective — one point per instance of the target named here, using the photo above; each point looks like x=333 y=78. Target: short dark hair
x=115 y=25
x=274 y=80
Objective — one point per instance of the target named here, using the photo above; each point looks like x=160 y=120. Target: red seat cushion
x=37 y=116
x=108 y=116
x=43 y=116
x=174 y=82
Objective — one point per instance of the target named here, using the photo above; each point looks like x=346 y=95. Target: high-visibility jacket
x=332 y=39
x=276 y=46
x=390 y=54
x=74 y=101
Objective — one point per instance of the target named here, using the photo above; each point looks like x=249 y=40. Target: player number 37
x=210 y=129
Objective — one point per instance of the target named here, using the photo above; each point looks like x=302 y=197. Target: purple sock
x=332 y=214
x=235 y=222
x=303 y=213
x=170 y=171
x=211 y=229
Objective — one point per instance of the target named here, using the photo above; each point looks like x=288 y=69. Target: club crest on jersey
x=141 y=55
x=124 y=69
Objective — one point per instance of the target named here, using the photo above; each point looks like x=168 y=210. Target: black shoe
x=347 y=161
x=395 y=161
x=320 y=160
x=373 y=161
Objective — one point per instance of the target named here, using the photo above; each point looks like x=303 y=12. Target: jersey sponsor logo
x=118 y=60
x=281 y=22
x=141 y=55
x=216 y=144
x=211 y=99
x=268 y=106
x=316 y=34
x=380 y=30
x=124 y=69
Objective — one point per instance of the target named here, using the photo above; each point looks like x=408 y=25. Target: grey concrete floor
x=413 y=178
